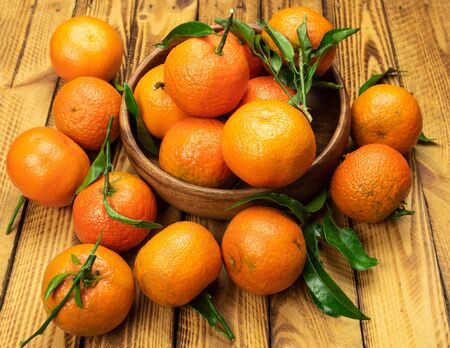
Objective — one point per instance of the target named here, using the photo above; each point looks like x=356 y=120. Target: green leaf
x=317 y=203
x=312 y=232
x=144 y=136
x=401 y=211
x=305 y=43
x=423 y=139
x=241 y=30
x=118 y=86
x=75 y=259
x=347 y=242
x=326 y=291
x=203 y=305
x=322 y=307
x=283 y=44
x=325 y=84
x=77 y=295
x=287 y=77
x=185 y=30
x=19 y=204
x=276 y=61
x=374 y=79
x=310 y=75
x=136 y=223
x=332 y=38
x=97 y=168
x=54 y=283
x=283 y=200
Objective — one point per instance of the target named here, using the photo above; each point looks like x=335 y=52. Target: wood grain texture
x=294 y=319
x=403 y=295
x=26 y=91
x=430 y=84
x=46 y=231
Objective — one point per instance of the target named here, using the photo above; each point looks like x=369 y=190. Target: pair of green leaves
x=325 y=293
x=102 y=165
x=84 y=275
x=376 y=78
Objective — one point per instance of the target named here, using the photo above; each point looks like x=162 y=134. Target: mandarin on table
x=130 y=197
x=82 y=109
x=86 y=46
x=191 y=151
x=175 y=265
x=158 y=110
x=203 y=83
x=371 y=183
x=46 y=166
x=268 y=143
x=264 y=88
x=287 y=20
x=263 y=250
x=105 y=304
x=386 y=114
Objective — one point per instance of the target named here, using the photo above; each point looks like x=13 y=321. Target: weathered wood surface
x=405 y=295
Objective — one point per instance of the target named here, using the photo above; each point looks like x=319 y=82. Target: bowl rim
x=200 y=191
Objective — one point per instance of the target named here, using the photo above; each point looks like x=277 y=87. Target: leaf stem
x=219 y=48
x=21 y=201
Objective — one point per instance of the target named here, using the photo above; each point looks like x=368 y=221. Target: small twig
x=21 y=201
x=219 y=48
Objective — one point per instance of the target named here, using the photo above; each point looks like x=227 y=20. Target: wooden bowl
x=331 y=125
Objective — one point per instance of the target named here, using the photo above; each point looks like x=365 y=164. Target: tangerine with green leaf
x=287 y=20
x=46 y=166
x=371 y=183
x=265 y=88
x=129 y=196
x=179 y=262
x=107 y=294
x=263 y=250
x=204 y=82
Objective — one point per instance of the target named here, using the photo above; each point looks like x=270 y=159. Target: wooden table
x=406 y=295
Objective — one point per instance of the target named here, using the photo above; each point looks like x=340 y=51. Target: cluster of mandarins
x=264 y=141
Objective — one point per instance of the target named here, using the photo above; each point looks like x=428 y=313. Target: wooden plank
x=46 y=231
x=23 y=105
x=247 y=314
x=429 y=83
x=294 y=319
x=403 y=295
x=148 y=324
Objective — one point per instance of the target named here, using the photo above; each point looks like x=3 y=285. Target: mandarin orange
x=178 y=263
x=370 y=183
x=46 y=166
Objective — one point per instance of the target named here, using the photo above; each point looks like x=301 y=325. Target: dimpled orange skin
x=105 y=306
x=203 y=83
x=268 y=143
x=263 y=250
x=131 y=198
x=82 y=109
x=287 y=20
x=371 y=183
x=157 y=108
x=46 y=166
x=264 y=88
x=386 y=114
x=178 y=263
x=86 y=46
x=191 y=151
